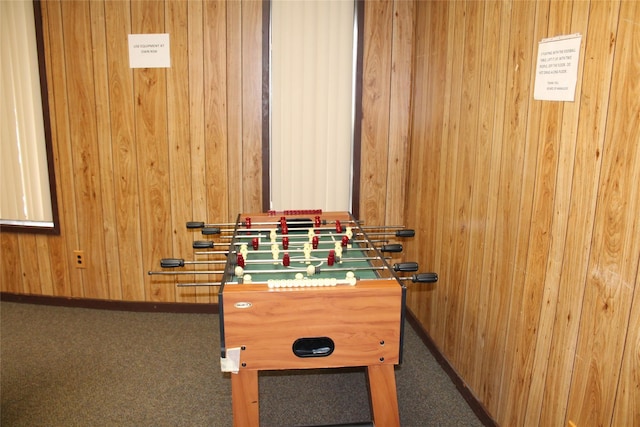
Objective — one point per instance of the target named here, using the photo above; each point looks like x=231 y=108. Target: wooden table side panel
x=364 y=323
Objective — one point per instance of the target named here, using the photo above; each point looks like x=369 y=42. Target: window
x=312 y=104
x=27 y=192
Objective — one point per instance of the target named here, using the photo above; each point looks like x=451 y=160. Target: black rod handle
x=171 y=262
x=202 y=244
x=210 y=230
x=406 y=266
x=408 y=232
x=394 y=247
x=425 y=278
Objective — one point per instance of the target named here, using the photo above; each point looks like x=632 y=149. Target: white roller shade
x=312 y=74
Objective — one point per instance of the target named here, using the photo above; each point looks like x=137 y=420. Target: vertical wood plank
x=234 y=110
x=65 y=180
x=445 y=178
x=105 y=155
x=215 y=112
x=215 y=99
x=29 y=264
x=559 y=252
x=252 y=34
x=198 y=172
x=627 y=404
x=83 y=140
x=57 y=245
x=427 y=133
x=399 y=110
x=45 y=271
x=460 y=226
x=532 y=231
x=124 y=149
x=176 y=21
x=504 y=245
x=611 y=273
x=196 y=111
x=549 y=225
x=488 y=274
x=420 y=177
x=150 y=112
x=375 y=110
x=484 y=174
x=11 y=278
x=603 y=17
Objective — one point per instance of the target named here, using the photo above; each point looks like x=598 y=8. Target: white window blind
x=312 y=104
x=25 y=197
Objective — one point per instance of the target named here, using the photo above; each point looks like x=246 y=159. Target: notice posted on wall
x=149 y=51
x=557 y=68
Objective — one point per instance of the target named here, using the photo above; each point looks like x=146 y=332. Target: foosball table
x=307 y=290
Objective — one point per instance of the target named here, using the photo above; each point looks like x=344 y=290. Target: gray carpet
x=81 y=367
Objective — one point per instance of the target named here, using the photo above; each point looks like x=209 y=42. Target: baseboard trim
x=476 y=406
x=160 y=307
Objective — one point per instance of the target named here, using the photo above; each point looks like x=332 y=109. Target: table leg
x=384 y=399
x=244 y=399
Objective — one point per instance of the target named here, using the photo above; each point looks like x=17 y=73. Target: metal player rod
x=252 y=232
x=305 y=239
x=177 y=273
x=416 y=278
x=179 y=262
x=181 y=285
x=392 y=248
x=268 y=251
x=211 y=252
x=288 y=270
x=202 y=224
x=312 y=269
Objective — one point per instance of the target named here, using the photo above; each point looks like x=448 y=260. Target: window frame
x=266 y=111
x=42 y=70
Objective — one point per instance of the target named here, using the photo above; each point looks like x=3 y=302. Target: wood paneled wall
x=138 y=152
x=530 y=210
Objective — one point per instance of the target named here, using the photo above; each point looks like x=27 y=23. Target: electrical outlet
x=79 y=259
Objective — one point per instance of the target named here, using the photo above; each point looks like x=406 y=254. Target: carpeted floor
x=81 y=367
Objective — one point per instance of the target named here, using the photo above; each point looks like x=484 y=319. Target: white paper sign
x=557 y=68
x=149 y=51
